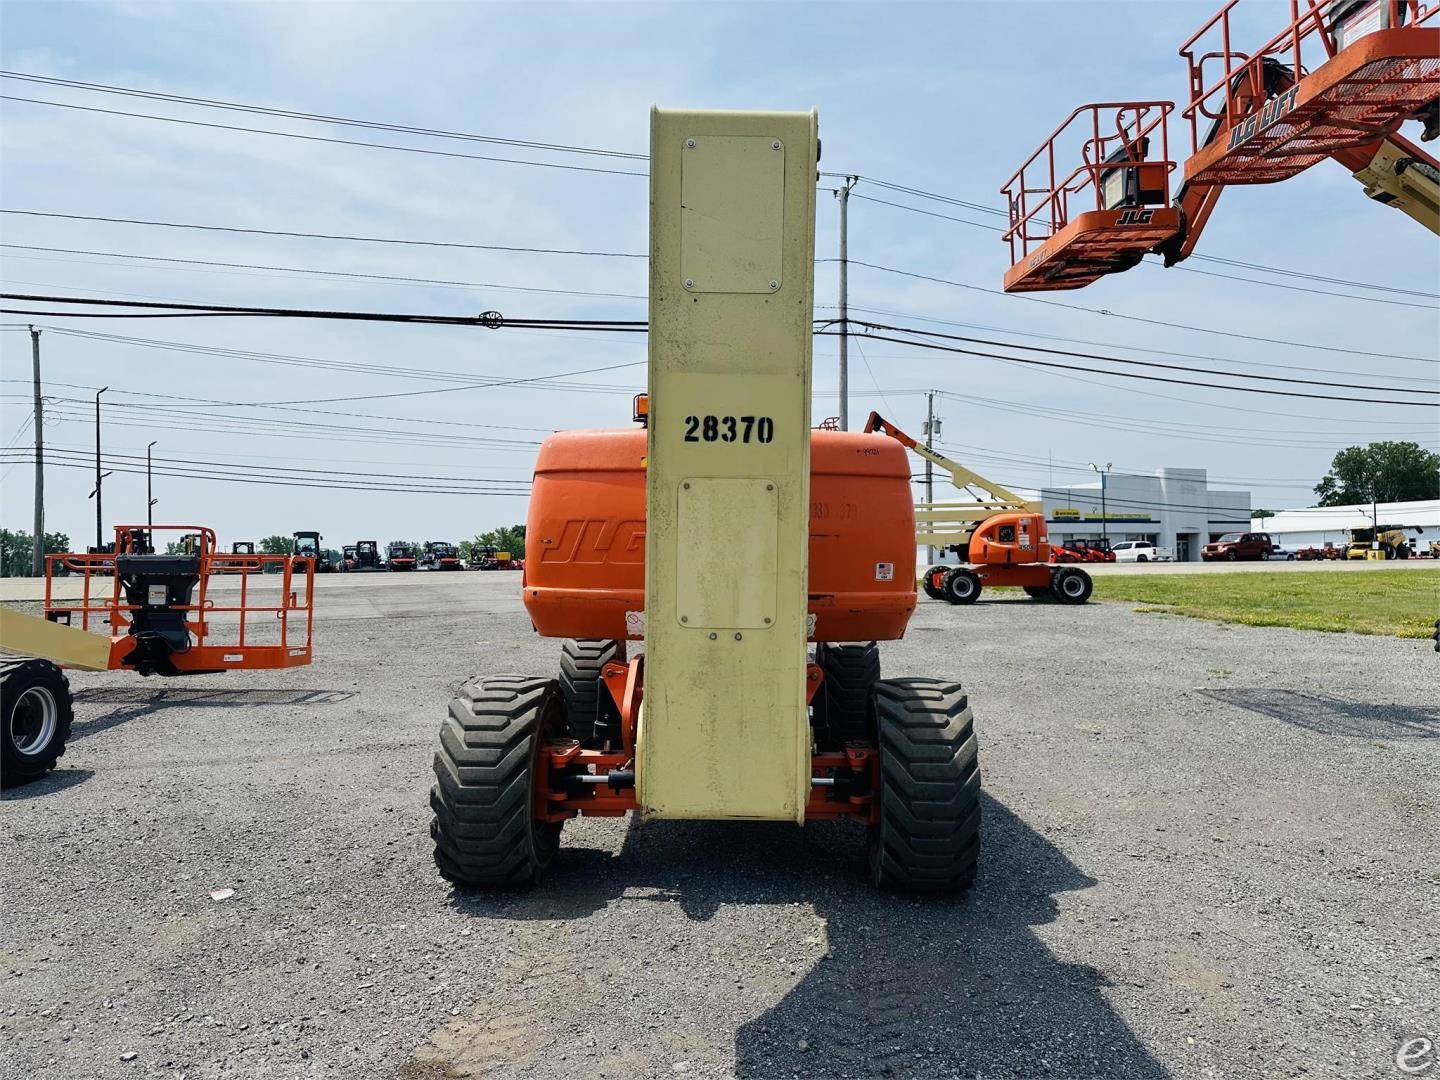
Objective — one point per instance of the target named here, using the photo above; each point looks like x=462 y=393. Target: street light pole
x=99 y=515
x=1104 y=512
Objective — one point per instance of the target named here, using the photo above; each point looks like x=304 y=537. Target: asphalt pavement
x=1208 y=851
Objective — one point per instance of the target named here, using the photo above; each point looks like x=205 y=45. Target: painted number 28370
x=760 y=429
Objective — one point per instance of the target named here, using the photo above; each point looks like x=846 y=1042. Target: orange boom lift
x=1337 y=82
x=162 y=618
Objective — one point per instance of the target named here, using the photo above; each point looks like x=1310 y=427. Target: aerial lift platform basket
x=1068 y=229
x=144 y=612
x=1255 y=118
x=1341 y=75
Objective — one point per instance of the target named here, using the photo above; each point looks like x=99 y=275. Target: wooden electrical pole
x=844 y=196
x=37 y=561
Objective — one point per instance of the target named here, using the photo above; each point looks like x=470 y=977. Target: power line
x=492 y=320
x=1141 y=363
x=326 y=273
x=283 y=471
x=1133 y=318
x=293 y=114
x=327 y=236
x=20 y=457
x=1148 y=378
x=322 y=138
x=1428 y=380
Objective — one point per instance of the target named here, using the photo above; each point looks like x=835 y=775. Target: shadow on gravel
x=1328 y=715
x=910 y=986
x=144 y=701
x=51 y=782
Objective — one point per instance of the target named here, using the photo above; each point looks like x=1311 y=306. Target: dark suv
x=1233 y=546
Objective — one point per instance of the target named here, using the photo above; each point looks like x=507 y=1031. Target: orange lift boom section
x=1255 y=118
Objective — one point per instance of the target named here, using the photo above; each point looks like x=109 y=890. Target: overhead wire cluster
x=1109 y=366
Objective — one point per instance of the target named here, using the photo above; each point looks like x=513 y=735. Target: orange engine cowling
x=585 y=536
x=1010 y=539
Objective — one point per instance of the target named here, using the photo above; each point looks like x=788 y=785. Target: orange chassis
x=572 y=780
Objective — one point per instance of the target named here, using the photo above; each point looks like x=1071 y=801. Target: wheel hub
x=33 y=721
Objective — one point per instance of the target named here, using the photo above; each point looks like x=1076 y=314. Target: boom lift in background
x=717 y=537
x=1000 y=536
x=162 y=619
x=1255 y=118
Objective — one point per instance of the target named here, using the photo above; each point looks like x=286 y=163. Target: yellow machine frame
x=723 y=729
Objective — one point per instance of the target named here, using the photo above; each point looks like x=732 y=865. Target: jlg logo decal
x=1135 y=217
x=1273 y=110
x=597 y=541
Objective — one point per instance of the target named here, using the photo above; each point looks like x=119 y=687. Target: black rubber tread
x=1057 y=590
x=1037 y=592
x=928 y=835
x=484 y=827
x=580 y=662
x=17 y=676
x=848 y=711
x=959 y=574
x=927 y=582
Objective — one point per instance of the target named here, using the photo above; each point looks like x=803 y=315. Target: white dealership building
x=1172 y=508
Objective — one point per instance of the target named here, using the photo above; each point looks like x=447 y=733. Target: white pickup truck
x=1141 y=551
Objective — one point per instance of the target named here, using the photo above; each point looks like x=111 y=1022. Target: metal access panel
x=723 y=730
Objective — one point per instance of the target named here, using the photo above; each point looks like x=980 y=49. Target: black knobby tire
x=928 y=834
x=847 y=708
x=962 y=586
x=581 y=660
x=934 y=582
x=1037 y=592
x=1071 y=585
x=484 y=828
x=36 y=711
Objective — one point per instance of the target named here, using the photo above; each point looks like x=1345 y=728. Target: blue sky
x=947 y=98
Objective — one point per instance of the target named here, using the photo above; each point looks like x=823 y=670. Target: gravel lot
x=1209 y=851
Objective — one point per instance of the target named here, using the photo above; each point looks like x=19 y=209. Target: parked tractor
x=307 y=546
x=367 y=557
x=399 y=557
x=493 y=558
x=440 y=555
x=1389 y=539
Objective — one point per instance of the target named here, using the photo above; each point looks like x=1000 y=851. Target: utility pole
x=843 y=194
x=149 y=497
x=99 y=515
x=37 y=561
x=932 y=428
